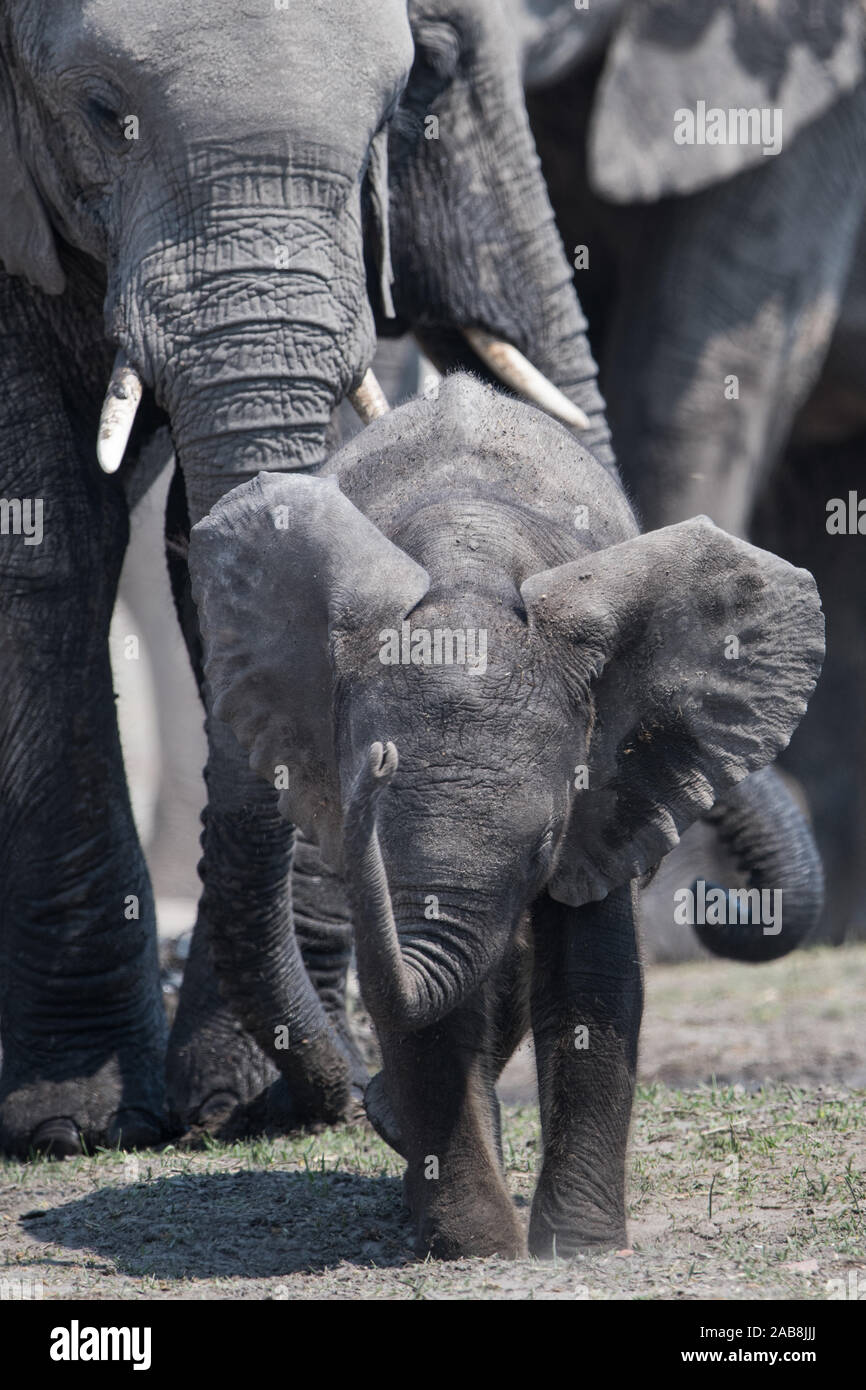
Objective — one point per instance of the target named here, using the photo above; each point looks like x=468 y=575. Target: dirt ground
x=746 y=1176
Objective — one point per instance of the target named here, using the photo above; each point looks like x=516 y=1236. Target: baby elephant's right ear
x=283 y=568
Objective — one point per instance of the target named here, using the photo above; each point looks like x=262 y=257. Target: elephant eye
x=107 y=122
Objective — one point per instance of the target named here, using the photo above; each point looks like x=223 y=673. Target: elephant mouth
x=125 y=389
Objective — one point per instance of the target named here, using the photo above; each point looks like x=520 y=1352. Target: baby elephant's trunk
x=769 y=838
x=415 y=975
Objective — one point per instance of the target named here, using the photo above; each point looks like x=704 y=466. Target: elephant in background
x=797 y=515
x=492 y=797
x=225 y=203
x=715 y=274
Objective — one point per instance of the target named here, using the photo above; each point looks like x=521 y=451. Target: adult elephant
x=806 y=513
x=711 y=254
x=707 y=263
x=206 y=191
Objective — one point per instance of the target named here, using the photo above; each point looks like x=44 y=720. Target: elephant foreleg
x=587 y=997
x=439 y=1084
x=83 y=1025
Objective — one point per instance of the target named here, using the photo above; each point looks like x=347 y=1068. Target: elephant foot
x=58 y=1137
x=558 y=1230
x=474 y=1216
x=66 y=1119
x=276 y=1110
x=458 y=1230
x=213 y=1066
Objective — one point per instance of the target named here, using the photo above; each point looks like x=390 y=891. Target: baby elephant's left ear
x=702 y=652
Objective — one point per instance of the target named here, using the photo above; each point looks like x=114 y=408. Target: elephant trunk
x=500 y=268
x=253 y=324
x=769 y=838
x=412 y=976
x=262 y=972
x=250 y=326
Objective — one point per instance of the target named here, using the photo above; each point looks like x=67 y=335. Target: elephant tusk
x=118 y=414
x=368 y=399
x=517 y=372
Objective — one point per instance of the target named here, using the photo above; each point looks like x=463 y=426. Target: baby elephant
x=495 y=705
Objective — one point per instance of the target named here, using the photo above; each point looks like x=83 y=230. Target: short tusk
x=517 y=372
x=368 y=399
x=118 y=414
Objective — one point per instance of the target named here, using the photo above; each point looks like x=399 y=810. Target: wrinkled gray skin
x=493 y=883
x=708 y=262
x=237 y=251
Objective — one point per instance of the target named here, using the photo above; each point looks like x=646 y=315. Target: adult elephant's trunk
x=253 y=325
x=250 y=328
x=767 y=835
x=414 y=975
x=473 y=237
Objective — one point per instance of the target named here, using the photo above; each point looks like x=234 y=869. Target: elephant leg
x=83 y=1024
x=506 y=1024
x=247 y=976
x=508 y=1017
x=587 y=997
x=439 y=1084
x=323 y=927
x=214 y=1066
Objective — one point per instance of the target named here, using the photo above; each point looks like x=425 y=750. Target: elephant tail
x=770 y=840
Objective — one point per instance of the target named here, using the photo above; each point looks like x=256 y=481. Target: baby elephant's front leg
x=439 y=1084
x=587 y=997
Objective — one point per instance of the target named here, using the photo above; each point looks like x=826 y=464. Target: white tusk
x=369 y=398
x=517 y=372
x=118 y=414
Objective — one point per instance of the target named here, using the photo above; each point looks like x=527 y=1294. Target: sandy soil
x=746 y=1177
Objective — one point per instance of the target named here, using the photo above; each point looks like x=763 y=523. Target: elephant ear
x=702 y=652
x=284 y=569
x=27 y=245
x=794 y=56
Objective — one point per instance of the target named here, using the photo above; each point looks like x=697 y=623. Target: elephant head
x=225 y=172
x=565 y=750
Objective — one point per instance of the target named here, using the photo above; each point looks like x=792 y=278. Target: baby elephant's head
x=455 y=751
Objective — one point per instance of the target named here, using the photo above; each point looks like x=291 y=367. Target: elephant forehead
x=472 y=445
x=214 y=63
x=447 y=693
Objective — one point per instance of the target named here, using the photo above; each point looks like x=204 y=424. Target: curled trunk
x=415 y=973
x=769 y=838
